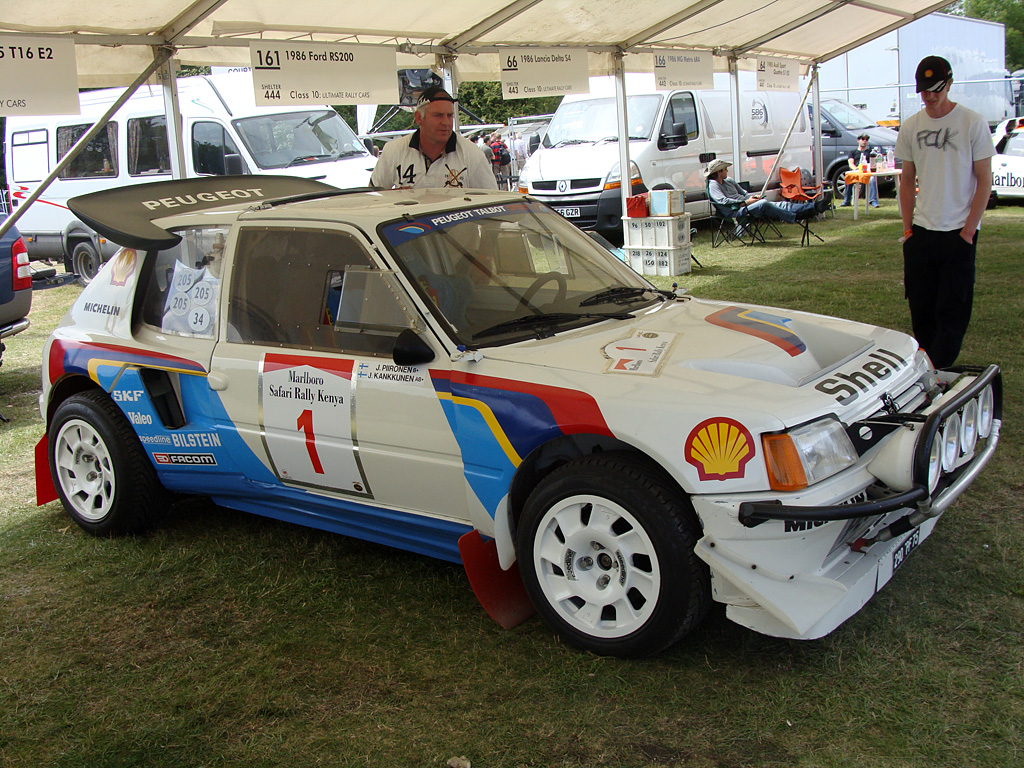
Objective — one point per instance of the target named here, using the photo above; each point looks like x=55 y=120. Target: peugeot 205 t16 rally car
x=468 y=376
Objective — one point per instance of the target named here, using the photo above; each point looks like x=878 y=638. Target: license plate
x=569 y=213
x=899 y=556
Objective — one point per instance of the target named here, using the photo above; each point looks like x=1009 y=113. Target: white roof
x=114 y=38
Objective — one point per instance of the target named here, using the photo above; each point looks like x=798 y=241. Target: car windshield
x=506 y=272
x=296 y=138
x=593 y=120
x=848 y=115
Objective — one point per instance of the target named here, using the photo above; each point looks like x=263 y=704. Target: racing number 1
x=305 y=423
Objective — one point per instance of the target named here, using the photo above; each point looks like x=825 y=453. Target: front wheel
x=606 y=552
x=839 y=182
x=102 y=473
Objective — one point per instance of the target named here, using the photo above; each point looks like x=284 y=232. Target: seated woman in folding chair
x=725 y=191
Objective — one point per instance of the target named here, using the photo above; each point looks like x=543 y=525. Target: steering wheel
x=535 y=286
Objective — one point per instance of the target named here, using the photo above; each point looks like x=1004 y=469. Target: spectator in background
x=946 y=151
x=502 y=159
x=858 y=157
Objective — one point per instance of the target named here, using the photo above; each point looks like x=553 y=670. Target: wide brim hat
x=714 y=167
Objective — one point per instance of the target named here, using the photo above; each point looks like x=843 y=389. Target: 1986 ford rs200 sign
x=468 y=376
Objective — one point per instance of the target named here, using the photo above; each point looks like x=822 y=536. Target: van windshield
x=296 y=138
x=848 y=115
x=593 y=120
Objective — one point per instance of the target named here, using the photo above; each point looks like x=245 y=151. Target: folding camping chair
x=731 y=223
x=793 y=189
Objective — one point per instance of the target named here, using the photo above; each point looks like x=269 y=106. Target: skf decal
x=719 y=448
x=123 y=267
x=763 y=325
x=847 y=387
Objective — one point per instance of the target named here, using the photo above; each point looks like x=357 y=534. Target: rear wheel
x=838 y=180
x=102 y=473
x=606 y=551
x=86 y=262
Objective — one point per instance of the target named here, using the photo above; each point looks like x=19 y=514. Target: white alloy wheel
x=597 y=566
x=84 y=470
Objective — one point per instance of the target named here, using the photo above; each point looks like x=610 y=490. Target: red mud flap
x=501 y=593
x=45 y=491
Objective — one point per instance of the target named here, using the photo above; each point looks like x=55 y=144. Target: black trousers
x=938 y=279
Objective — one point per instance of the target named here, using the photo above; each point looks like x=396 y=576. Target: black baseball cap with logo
x=434 y=93
x=933 y=73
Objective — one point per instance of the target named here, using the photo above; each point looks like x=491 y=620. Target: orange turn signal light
x=785 y=470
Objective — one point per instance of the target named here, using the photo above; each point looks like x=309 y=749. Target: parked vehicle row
x=15 y=286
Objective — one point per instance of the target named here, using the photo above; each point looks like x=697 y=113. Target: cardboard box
x=665 y=202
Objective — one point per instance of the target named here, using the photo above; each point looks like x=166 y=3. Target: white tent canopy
x=112 y=37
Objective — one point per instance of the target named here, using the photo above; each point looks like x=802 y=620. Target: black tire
x=101 y=471
x=606 y=552
x=838 y=181
x=85 y=262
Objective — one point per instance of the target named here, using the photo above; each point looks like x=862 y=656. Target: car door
x=307 y=375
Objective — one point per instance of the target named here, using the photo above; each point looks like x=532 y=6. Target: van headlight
x=614 y=180
x=807 y=454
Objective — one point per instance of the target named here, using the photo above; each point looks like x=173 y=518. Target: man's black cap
x=933 y=73
x=433 y=93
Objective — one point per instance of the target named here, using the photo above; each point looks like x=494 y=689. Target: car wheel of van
x=839 y=182
x=102 y=473
x=606 y=551
x=86 y=262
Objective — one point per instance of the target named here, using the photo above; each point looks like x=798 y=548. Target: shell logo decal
x=124 y=265
x=719 y=448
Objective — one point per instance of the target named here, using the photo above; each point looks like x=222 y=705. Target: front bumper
x=801 y=570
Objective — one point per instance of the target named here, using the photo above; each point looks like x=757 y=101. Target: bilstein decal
x=847 y=387
x=719 y=448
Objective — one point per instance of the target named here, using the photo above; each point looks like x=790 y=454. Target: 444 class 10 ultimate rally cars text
x=466 y=375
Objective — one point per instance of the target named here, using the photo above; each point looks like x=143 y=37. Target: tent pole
x=169 y=76
x=819 y=157
x=160 y=55
x=789 y=134
x=737 y=124
x=625 y=169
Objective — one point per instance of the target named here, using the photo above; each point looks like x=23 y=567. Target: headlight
x=934 y=465
x=986 y=412
x=950 y=439
x=807 y=454
x=614 y=180
x=969 y=427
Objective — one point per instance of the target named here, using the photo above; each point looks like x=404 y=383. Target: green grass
x=223 y=639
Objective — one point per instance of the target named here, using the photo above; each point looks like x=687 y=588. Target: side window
x=26 y=157
x=214 y=151
x=148 y=151
x=681 y=110
x=312 y=289
x=99 y=157
x=182 y=289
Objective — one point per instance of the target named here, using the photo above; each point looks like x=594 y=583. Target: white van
x=223 y=130
x=673 y=136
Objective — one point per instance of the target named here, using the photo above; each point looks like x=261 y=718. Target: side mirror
x=677 y=138
x=410 y=349
x=233 y=165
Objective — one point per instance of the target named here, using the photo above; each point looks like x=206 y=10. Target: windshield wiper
x=548 y=318
x=307 y=159
x=622 y=293
x=567 y=142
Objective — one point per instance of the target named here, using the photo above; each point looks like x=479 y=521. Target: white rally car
x=1008 y=163
x=468 y=376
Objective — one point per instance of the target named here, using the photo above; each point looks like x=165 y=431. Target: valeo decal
x=719 y=448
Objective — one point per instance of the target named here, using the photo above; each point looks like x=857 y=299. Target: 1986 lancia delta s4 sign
x=468 y=376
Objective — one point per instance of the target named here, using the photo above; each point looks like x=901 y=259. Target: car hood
x=794 y=364
x=574 y=161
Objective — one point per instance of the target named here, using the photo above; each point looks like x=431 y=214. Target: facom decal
x=123 y=267
x=191 y=459
x=763 y=325
x=719 y=448
x=847 y=387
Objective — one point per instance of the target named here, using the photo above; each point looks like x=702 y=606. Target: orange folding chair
x=792 y=188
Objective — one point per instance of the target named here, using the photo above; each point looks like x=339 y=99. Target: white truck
x=224 y=132
x=673 y=136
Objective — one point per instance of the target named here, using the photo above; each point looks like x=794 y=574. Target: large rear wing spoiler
x=125 y=215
